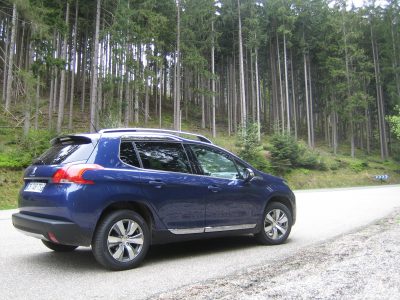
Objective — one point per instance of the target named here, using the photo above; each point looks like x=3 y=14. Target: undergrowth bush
x=25 y=148
x=288 y=154
x=251 y=149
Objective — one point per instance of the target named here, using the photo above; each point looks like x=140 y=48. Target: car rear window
x=66 y=150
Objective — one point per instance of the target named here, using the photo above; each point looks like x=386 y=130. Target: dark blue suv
x=121 y=190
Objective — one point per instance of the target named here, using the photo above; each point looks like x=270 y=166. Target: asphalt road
x=29 y=270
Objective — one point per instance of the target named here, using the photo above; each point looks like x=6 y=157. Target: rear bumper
x=66 y=233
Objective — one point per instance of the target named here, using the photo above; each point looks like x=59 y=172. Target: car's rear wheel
x=121 y=240
x=59 y=247
x=277 y=224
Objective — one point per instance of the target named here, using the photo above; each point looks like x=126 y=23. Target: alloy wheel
x=276 y=224
x=125 y=240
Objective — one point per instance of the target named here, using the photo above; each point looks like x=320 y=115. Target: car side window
x=215 y=163
x=163 y=156
x=128 y=155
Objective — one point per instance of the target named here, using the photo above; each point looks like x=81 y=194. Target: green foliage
x=251 y=149
x=22 y=150
x=395 y=122
x=287 y=154
x=358 y=166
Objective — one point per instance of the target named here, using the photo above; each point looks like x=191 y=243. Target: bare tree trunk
x=73 y=54
x=203 y=104
x=11 y=57
x=136 y=83
x=37 y=99
x=293 y=96
x=235 y=98
x=146 y=101
x=310 y=97
x=258 y=97
x=280 y=86
x=60 y=116
x=243 y=118
x=286 y=84
x=177 y=100
x=214 y=129
x=160 y=98
x=395 y=58
x=5 y=69
x=93 y=92
x=83 y=95
x=334 y=133
x=379 y=99
x=307 y=101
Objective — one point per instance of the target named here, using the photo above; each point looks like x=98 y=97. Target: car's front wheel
x=121 y=240
x=277 y=224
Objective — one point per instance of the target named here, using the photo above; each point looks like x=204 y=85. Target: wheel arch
x=142 y=209
x=285 y=200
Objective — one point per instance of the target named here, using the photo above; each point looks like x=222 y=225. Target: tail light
x=74 y=174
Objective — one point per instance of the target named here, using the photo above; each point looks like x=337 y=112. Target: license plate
x=36 y=187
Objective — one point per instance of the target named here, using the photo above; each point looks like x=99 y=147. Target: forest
x=322 y=71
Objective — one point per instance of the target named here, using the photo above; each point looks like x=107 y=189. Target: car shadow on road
x=203 y=247
x=82 y=259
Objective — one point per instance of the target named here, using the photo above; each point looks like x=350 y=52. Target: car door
x=231 y=203
x=170 y=187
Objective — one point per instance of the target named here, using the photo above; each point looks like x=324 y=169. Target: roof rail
x=155 y=130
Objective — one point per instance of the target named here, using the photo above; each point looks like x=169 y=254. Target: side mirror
x=248 y=175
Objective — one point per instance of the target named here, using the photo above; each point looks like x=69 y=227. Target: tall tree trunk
x=257 y=97
x=293 y=96
x=5 y=57
x=282 y=102
x=37 y=99
x=243 y=119
x=177 y=100
x=93 y=92
x=352 y=146
x=214 y=129
x=73 y=54
x=11 y=57
x=60 y=116
x=286 y=85
x=379 y=100
x=83 y=95
x=307 y=101
x=310 y=98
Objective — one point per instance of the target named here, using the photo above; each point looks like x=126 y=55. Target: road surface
x=29 y=270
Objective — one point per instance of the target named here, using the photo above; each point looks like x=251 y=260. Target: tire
x=277 y=224
x=59 y=247
x=121 y=240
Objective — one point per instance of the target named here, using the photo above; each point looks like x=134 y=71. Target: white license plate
x=36 y=187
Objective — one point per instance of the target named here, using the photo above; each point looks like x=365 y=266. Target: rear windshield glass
x=66 y=151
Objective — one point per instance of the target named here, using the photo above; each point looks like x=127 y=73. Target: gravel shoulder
x=359 y=265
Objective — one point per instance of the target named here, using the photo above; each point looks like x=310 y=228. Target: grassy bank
x=331 y=171
x=10 y=183
x=347 y=176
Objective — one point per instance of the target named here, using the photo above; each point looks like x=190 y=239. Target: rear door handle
x=214 y=188
x=158 y=184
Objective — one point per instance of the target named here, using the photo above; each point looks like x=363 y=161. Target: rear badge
x=33 y=171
